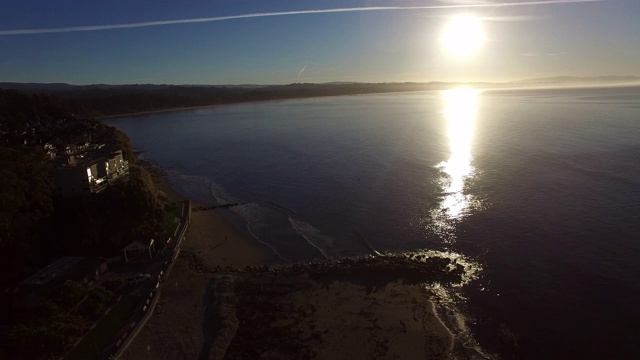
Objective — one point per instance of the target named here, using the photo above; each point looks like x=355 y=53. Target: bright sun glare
x=463 y=35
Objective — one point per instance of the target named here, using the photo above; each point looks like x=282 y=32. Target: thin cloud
x=467 y=2
x=490 y=18
x=301 y=71
x=280 y=13
x=510 y=18
x=533 y=54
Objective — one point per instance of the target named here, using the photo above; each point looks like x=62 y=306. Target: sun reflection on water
x=455 y=202
x=460 y=113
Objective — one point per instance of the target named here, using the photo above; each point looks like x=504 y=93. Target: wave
x=252 y=225
x=314 y=237
x=366 y=243
x=272 y=225
x=194 y=187
x=266 y=222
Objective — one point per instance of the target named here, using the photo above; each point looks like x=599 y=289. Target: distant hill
x=64 y=87
x=44 y=87
x=560 y=80
x=113 y=100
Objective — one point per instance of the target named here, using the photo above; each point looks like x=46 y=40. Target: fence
x=127 y=337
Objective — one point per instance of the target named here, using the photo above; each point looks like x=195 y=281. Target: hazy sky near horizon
x=287 y=41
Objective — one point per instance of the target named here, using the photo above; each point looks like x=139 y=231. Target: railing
x=96 y=187
x=128 y=336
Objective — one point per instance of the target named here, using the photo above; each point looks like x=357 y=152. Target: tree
x=25 y=202
x=97 y=298
x=69 y=295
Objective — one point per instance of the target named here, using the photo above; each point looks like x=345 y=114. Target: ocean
x=538 y=190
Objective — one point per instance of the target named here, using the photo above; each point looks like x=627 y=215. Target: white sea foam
x=203 y=189
x=323 y=243
x=449 y=298
x=246 y=215
x=191 y=186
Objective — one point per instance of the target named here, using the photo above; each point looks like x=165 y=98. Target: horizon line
x=425 y=82
x=279 y=13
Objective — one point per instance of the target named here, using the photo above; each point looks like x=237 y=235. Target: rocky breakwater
x=320 y=310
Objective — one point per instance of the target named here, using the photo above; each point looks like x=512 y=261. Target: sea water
x=540 y=189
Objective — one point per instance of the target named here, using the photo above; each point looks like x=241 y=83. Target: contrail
x=280 y=13
x=301 y=71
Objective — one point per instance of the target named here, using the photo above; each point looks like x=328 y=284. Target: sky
x=216 y=42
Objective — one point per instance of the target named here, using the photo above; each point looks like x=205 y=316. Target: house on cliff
x=82 y=173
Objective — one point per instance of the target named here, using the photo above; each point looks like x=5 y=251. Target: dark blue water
x=539 y=189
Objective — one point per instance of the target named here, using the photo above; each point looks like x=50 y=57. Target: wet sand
x=212 y=237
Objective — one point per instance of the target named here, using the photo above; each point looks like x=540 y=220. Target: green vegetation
x=172 y=211
x=113 y=284
x=25 y=203
x=36 y=225
x=104 y=223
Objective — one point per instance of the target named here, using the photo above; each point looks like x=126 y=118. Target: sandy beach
x=175 y=329
x=211 y=237
x=212 y=307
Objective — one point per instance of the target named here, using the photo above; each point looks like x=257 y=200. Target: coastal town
x=81 y=304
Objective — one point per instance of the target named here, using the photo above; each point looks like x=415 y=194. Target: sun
x=463 y=35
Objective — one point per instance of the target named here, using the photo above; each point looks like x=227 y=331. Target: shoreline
x=516 y=87
x=224 y=300
x=210 y=235
x=159 y=111
x=311 y=311
x=188 y=108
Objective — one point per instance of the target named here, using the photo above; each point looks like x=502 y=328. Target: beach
x=175 y=329
x=215 y=240
x=226 y=298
